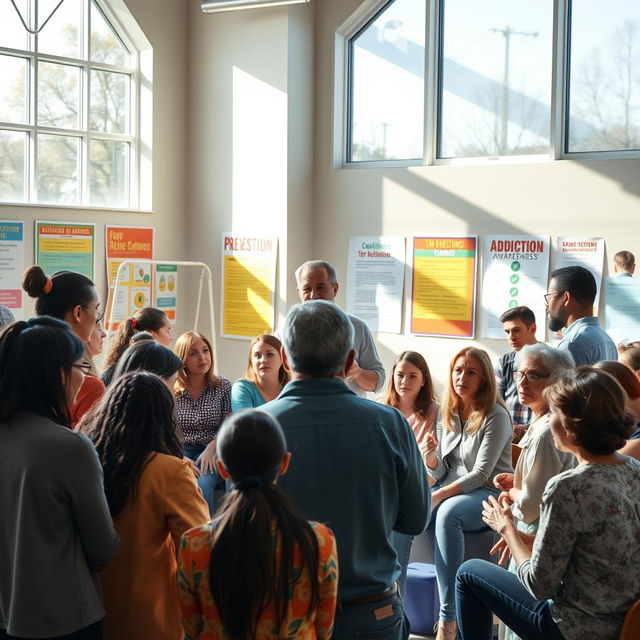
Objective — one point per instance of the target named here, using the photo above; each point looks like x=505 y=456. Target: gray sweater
x=55 y=529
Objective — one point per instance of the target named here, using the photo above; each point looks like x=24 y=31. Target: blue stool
x=421 y=601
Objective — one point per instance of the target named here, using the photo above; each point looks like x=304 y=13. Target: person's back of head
x=630 y=357
x=148 y=356
x=134 y=419
x=579 y=282
x=624 y=262
x=36 y=360
x=141 y=336
x=251 y=449
x=625 y=377
x=317 y=338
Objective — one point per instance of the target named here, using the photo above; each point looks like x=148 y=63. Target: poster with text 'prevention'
x=65 y=246
x=134 y=290
x=248 y=285
x=11 y=265
x=515 y=269
x=375 y=281
x=443 y=292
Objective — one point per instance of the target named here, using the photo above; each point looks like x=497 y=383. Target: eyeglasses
x=99 y=312
x=519 y=376
x=548 y=296
x=85 y=367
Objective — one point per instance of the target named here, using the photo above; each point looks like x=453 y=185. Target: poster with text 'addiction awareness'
x=515 y=269
x=65 y=246
x=375 y=281
x=443 y=286
x=11 y=265
x=248 y=285
x=134 y=289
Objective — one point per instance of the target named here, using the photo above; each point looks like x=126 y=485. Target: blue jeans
x=450 y=520
x=402 y=542
x=207 y=481
x=484 y=589
x=381 y=620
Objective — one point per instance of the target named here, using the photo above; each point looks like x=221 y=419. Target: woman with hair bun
x=71 y=297
x=581 y=576
x=150 y=320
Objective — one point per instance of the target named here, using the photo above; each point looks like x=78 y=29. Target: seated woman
x=149 y=320
x=579 y=580
x=536 y=366
x=265 y=376
x=153 y=498
x=203 y=401
x=261 y=571
x=411 y=392
x=55 y=531
x=474 y=436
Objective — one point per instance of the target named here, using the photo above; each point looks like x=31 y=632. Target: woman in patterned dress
x=258 y=570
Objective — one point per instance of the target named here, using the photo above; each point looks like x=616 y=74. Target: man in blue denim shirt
x=569 y=301
x=355 y=467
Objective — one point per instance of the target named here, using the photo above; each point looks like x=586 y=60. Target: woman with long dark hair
x=148 y=355
x=259 y=570
x=56 y=529
x=153 y=498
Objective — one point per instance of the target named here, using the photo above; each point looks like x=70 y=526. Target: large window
x=437 y=80
x=68 y=106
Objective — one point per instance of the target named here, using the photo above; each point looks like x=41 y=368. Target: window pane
x=57 y=174
x=109 y=109
x=61 y=36
x=604 y=81
x=105 y=45
x=108 y=171
x=13 y=145
x=496 y=61
x=58 y=95
x=12 y=33
x=387 y=92
x=13 y=84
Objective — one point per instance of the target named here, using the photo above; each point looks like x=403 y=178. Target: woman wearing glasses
x=71 y=297
x=536 y=366
x=474 y=436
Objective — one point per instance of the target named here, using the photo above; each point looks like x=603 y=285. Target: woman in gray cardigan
x=474 y=435
x=56 y=529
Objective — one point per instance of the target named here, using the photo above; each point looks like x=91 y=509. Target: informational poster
x=515 y=270
x=11 y=265
x=622 y=309
x=166 y=289
x=65 y=246
x=375 y=281
x=585 y=252
x=443 y=295
x=248 y=285
x=134 y=290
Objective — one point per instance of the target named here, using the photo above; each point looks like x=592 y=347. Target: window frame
x=137 y=195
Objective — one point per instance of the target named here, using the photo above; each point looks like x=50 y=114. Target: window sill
x=72 y=207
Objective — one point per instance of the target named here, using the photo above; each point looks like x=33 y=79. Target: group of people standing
x=325 y=489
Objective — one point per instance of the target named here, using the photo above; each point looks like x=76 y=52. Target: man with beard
x=569 y=301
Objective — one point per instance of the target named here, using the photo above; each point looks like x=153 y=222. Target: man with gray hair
x=317 y=280
x=355 y=467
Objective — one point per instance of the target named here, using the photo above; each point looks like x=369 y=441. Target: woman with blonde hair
x=265 y=375
x=474 y=436
x=203 y=401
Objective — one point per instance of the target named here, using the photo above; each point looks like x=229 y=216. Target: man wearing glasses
x=569 y=303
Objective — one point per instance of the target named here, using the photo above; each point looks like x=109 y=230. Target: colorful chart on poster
x=375 y=281
x=586 y=252
x=248 y=285
x=65 y=246
x=166 y=289
x=443 y=286
x=135 y=285
x=11 y=265
x=515 y=269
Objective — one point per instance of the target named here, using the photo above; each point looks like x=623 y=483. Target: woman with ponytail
x=153 y=498
x=148 y=320
x=259 y=570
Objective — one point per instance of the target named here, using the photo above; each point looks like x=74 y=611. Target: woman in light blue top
x=265 y=375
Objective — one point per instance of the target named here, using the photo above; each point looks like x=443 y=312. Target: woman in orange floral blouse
x=259 y=570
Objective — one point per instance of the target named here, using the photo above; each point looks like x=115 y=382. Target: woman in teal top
x=265 y=375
